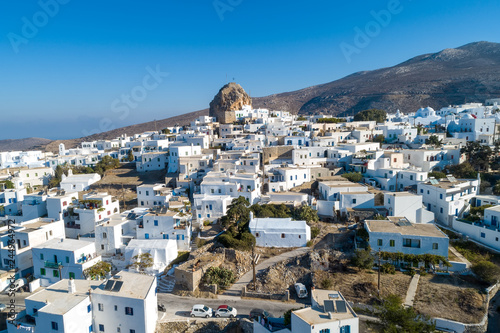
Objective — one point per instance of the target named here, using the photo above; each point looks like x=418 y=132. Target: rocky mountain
x=470 y=73
x=23 y=144
x=230 y=98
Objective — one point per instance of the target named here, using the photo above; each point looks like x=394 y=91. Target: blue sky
x=67 y=76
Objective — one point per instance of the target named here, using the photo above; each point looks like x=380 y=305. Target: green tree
x=478 y=155
x=379 y=138
x=141 y=262
x=371 y=114
x=8 y=184
x=436 y=174
x=462 y=170
x=58 y=173
x=433 y=140
x=496 y=188
x=130 y=156
x=306 y=213
x=330 y=120
x=363 y=259
x=395 y=318
x=98 y=271
x=487 y=271
x=107 y=163
x=353 y=176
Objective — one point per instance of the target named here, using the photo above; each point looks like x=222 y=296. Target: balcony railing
x=72 y=226
x=54 y=265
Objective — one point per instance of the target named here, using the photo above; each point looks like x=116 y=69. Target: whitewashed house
x=329 y=312
x=127 y=303
x=11 y=200
x=408 y=205
x=78 y=183
x=279 y=232
x=61 y=258
x=152 y=162
x=400 y=235
x=486 y=231
x=448 y=198
x=62 y=307
x=153 y=195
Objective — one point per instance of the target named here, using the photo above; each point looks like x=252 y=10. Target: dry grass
x=361 y=287
x=450 y=297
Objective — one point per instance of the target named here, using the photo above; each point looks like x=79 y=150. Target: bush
x=436 y=174
x=372 y=114
x=354 y=177
x=487 y=271
x=222 y=277
x=395 y=317
x=309 y=243
x=363 y=259
x=206 y=223
x=245 y=243
x=326 y=283
x=314 y=232
x=387 y=268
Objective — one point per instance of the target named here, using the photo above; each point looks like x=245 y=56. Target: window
x=132 y=331
x=42 y=271
x=345 y=329
x=156 y=223
x=325 y=330
x=101 y=328
x=441 y=210
x=55 y=273
x=483 y=235
x=55 y=326
x=282 y=235
x=89 y=308
x=67 y=260
x=41 y=256
x=353 y=201
x=104 y=235
x=434 y=246
x=100 y=306
x=379 y=242
x=392 y=243
x=257 y=235
x=116 y=307
x=129 y=311
x=421 y=190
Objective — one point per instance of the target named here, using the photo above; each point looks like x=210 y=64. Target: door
x=146 y=236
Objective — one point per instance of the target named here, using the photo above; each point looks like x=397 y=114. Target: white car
x=301 y=290
x=200 y=310
x=226 y=311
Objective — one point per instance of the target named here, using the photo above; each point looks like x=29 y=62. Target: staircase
x=166 y=284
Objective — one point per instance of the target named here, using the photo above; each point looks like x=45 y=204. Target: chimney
x=251 y=215
x=71 y=286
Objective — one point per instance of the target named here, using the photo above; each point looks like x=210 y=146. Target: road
x=179 y=308
x=494 y=315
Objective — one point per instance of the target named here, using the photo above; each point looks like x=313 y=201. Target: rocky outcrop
x=229 y=99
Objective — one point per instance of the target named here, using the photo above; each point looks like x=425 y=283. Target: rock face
x=230 y=98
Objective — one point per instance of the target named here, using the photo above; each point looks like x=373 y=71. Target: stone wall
x=189 y=274
x=274 y=153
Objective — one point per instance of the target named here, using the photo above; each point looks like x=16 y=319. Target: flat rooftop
x=66 y=244
x=59 y=300
x=316 y=314
x=134 y=285
x=415 y=229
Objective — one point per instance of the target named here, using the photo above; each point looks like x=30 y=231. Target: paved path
x=236 y=288
x=412 y=290
x=460 y=256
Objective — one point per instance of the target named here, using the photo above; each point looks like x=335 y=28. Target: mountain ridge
x=469 y=73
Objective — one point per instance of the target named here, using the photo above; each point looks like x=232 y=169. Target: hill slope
x=470 y=73
x=23 y=144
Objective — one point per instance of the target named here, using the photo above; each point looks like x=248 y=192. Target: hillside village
x=326 y=218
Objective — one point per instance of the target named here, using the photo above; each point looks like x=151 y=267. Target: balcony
x=53 y=265
x=72 y=226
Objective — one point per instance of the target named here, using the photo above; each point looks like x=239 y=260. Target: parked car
x=200 y=310
x=226 y=311
x=301 y=290
x=256 y=313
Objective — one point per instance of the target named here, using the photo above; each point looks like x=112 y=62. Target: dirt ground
x=127 y=175
x=361 y=287
x=450 y=297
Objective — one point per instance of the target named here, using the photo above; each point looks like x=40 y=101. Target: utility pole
x=378 y=288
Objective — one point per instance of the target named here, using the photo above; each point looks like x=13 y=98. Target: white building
x=329 y=312
x=279 y=232
x=62 y=307
x=78 y=183
x=400 y=235
x=61 y=258
x=448 y=198
x=408 y=205
x=127 y=303
x=152 y=161
x=153 y=195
